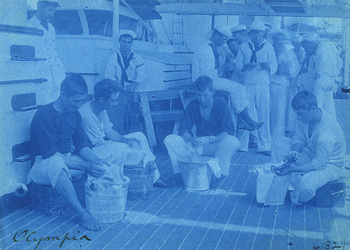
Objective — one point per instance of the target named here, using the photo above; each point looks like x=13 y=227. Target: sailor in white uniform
x=126 y=66
x=45 y=47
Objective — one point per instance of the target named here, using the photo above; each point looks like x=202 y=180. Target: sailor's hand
x=248 y=66
x=96 y=170
x=132 y=142
x=293 y=156
x=265 y=66
x=283 y=171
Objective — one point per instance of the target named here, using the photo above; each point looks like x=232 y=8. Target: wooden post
x=346 y=46
x=115 y=24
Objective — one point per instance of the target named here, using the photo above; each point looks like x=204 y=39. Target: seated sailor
x=54 y=129
x=215 y=129
x=99 y=130
x=125 y=65
x=206 y=61
x=318 y=149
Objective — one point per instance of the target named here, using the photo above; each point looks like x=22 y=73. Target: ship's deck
x=225 y=218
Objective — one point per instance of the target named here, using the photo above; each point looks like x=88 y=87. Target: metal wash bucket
x=107 y=204
x=196 y=174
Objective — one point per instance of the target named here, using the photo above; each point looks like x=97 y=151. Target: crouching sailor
x=99 y=129
x=318 y=147
x=214 y=126
x=55 y=128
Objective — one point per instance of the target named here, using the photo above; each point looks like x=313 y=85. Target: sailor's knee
x=171 y=139
x=306 y=195
x=138 y=135
x=231 y=141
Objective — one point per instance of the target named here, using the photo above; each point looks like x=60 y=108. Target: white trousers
x=304 y=184
x=223 y=151
x=136 y=155
x=259 y=109
x=291 y=118
x=323 y=90
x=46 y=171
x=238 y=96
x=278 y=106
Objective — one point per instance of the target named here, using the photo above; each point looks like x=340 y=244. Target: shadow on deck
x=225 y=218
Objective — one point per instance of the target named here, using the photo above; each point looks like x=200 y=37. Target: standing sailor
x=126 y=65
x=46 y=48
x=323 y=65
x=206 y=62
x=257 y=60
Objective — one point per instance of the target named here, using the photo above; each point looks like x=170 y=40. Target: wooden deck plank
x=281 y=229
x=212 y=237
x=217 y=200
x=213 y=234
x=186 y=223
x=104 y=236
x=264 y=234
x=19 y=224
x=245 y=238
x=142 y=231
x=169 y=215
x=169 y=224
x=42 y=228
x=297 y=230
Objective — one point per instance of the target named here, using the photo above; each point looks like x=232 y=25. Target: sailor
x=288 y=67
x=206 y=61
x=61 y=149
x=257 y=61
x=239 y=35
x=318 y=149
x=291 y=120
x=46 y=48
x=214 y=125
x=125 y=65
x=323 y=65
x=99 y=130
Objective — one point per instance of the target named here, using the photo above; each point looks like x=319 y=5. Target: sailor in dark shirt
x=60 y=146
x=214 y=129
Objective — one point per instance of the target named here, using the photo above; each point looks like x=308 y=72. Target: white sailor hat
x=238 y=28
x=296 y=38
x=224 y=29
x=257 y=25
x=127 y=32
x=279 y=31
x=51 y=2
x=310 y=37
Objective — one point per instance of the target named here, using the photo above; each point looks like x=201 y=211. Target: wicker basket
x=141 y=180
x=107 y=205
x=196 y=175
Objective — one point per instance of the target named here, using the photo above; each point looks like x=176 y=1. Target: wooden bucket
x=141 y=180
x=107 y=205
x=196 y=175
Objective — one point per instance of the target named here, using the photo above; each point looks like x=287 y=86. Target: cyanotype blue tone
x=174 y=124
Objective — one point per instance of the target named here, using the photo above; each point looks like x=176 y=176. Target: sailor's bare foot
x=88 y=222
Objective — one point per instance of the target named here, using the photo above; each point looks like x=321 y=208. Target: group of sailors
x=271 y=71
x=262 y=80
